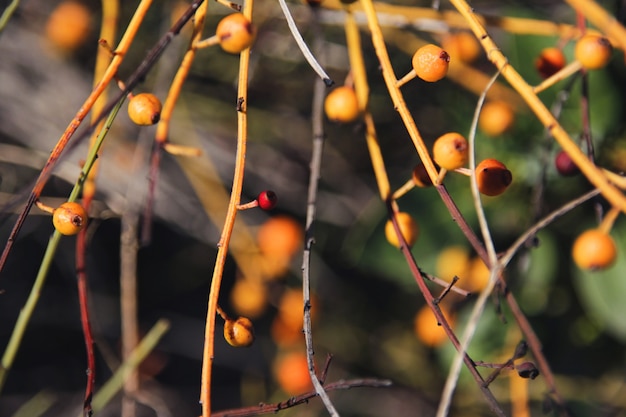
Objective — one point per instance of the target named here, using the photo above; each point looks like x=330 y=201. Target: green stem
x=8 y=12
x=27 y=311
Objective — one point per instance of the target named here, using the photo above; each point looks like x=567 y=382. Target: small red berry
x=564 y=164
x=267 y=199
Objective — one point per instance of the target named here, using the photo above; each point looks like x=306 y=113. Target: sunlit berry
x=496 y=117
x=564 y=164
x=408 y=228
x=462 y=46
x=68 y=26
x=235 y=33
x=593 y=51
x=69 y=218
x=144 y=109
x=450 y=151
x=594 y=250
x=239 y=332
x=430 y=63
x=341 y=105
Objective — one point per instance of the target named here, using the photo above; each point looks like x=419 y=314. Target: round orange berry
x=593 y=51
x=341 y=105
x=452 y=261
x=235 y=33
x=492 y=177
x=292 y=373
x=462 y=46
x=239 y=332
x=144 y=109
x=430 y=63
x=249 y=297
x=68 y=26
x=426 y=328
x=550 y=61
x=496 y=118
x=594 y=250
x=450 y=151
x=408 y=228
x=69 y=218
x=281 y=235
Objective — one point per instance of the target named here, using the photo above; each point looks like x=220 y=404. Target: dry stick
x=141 y=71
x=315 y=166
x=592 y=172
x=110 y=15
x=441 y=319
x=495 y=268
x=163 y=127
x=229 y=222
x=303 y=398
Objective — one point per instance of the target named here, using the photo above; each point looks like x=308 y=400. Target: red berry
x=564 y=164
x=550 y=61
x=492 y=177
x=267 y=199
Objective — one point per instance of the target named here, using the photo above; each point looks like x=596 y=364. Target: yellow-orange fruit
x=408 y=228
x=341 y=105
x=68 y=26
x=69 y=218
x=426 y=328
x=239 y=332
x=477 y=276
x=248 y=297
x=144 y=109
x=451 y=151
x=496 y=118
x=430 y=63
x=594 y=250
x=235 y=33
x=462 y=46
x=452 y=261
x=292 y=373
x=593 y=51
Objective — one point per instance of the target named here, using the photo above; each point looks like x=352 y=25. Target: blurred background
x=366 y=305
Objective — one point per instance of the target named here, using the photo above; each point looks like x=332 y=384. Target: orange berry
x=239 y=333
x=291 y=308
x=496 y=118
x=292 y=373
x=593 y=51
x=144 y=109
x=426 y=328
x=492 y=177
x=477 y=276
x=408 y=228
x=550 y=61
x=235 y=33
x=248 y=297
x=284 y=335
x=341 y=105
x=452 y=261
x=420 y=176
x=280 y=235
x=69 y=218
x=594 y=250
x=68 y=26
x=430 y=63
x=462 y=46
x=450 y=151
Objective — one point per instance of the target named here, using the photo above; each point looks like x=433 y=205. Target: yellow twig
x=593 y=173
x=604 y=21
x=565 y=72
x=229 y=222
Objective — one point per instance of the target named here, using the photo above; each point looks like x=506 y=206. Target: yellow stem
x=396 y=96
x=205 y=43
x=609 y=219
x=593 y=173
x=229 y=222
x=406 y=187
x=570 y=69
x=181 y=150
